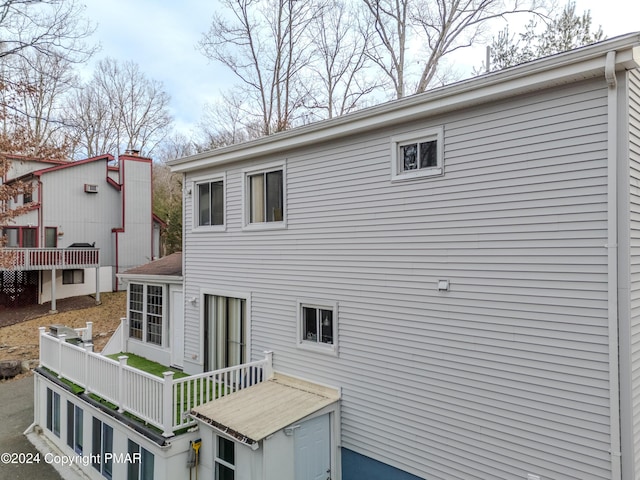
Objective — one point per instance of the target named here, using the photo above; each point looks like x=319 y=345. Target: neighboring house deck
x=83 y=222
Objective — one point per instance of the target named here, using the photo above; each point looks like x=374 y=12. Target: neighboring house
x=88 y=220
x=442 y=287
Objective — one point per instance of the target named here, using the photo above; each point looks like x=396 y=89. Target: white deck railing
x=161 y=402
x=48 y=258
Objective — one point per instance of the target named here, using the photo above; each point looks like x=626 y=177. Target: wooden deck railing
x=161 y=402
x=48 y=258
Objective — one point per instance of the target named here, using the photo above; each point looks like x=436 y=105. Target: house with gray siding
x=461 y=264
x=440 y=287
x=85 y=222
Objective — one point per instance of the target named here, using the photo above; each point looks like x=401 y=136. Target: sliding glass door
x=225 y=332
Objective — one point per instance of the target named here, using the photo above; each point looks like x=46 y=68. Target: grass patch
x=146 y=365
x=130 y=416
x=74 y=387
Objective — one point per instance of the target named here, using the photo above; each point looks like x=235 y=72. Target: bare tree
x=264 y=43
x=120 y=108
x=45 y=26
x=227 y=121
x=437 y=27
x=93 y=125
x=41 y=83
x=390 y=19
x=30 y=31
x=15 y=142
x=340 y=64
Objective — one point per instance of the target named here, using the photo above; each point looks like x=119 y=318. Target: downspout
x=612 y=270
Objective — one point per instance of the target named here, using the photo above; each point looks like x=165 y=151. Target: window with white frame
x=264 y=196
x=154 y=314
x=142 y=464
x=146 y=313
x=102 y=442
x=209 y=203
x=224 y=459
x=74 y=427
x=417 y=154
x=136 y=310
x=53 y=412
x=317 y=325
x=72 y=277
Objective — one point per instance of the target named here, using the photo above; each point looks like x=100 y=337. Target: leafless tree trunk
x=390 y=21
x=45 y=26
x=227 y=122
x=41 y=83
x=430 y=30
x=264 y=43
x=340 y=64
x=120 y=108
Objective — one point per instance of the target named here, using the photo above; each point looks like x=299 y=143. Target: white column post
x=124 y=334
x=123 y=362
x=42 y=331
x=167 y=405
x=89 y=332
x=88 y=349
x=268 y=368
x=61 y=341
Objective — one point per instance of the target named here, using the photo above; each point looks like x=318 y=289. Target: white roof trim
x=126 y=277
x=575 y=65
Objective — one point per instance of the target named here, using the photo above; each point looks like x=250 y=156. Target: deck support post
x=54 y=306
x=98 y=302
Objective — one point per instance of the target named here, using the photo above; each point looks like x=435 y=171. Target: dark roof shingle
x=171 y=265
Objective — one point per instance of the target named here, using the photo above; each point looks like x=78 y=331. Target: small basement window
x=417 y=154
x=72 y=277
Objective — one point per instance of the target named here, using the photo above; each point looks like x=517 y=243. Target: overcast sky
x=161 y=35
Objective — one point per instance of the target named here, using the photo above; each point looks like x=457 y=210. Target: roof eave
x=132 y=277
x=583 y=63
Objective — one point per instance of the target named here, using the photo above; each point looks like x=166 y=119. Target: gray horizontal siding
x=82 y=217
x=634 y=293
x=504 y=375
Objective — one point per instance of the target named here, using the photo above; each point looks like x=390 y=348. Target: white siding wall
x=504 y=375
x=135 y=242
x=81 y=216
x=634 y=157
x=17 y=168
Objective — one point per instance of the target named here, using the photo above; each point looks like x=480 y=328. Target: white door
x=177 y=328
x=312 y=446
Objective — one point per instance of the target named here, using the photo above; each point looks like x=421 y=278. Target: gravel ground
x=20 y=341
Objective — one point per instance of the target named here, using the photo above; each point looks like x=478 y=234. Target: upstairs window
x=265 y=197
x=21 y=237
x=210 y=203
x=417 y=154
